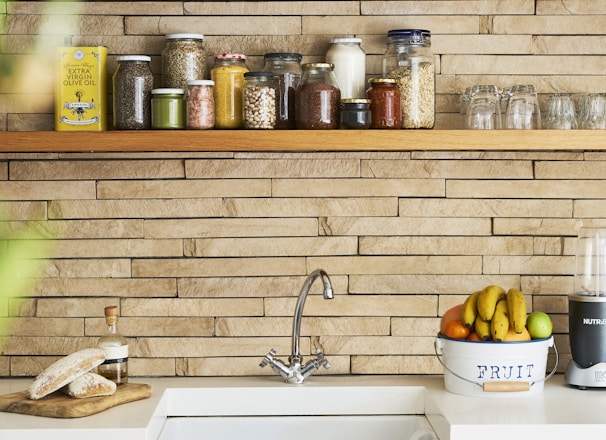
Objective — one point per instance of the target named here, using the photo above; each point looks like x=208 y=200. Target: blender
x=587 y=312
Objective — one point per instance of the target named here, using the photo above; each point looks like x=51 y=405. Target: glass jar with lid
x=409 y=60
x=200 y=104
x=168 y=108
x=349 y=59
x=228 y=75
x=385 y=102
x=259 y=104
x=286 y=67
x=183 y=58
x=132 y=84
x=318 y=98
x=355 y=113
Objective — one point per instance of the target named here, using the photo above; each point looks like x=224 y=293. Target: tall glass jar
x=168 y=108
x=259 y=104
x=349 y=60
x=385 y=103
x=409 y=60
x=132 y=83
x=318 y=98
x=183 y=58
x=228 y=75
x=287 y=68
x=200 y=104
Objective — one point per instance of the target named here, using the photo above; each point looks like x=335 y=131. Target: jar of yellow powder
x=228 y=75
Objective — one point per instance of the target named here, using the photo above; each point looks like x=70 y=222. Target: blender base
x=583 y=378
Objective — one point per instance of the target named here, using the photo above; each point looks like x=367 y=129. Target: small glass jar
x=349 y=60
x=287 y=68
x=355 y=113
x=183 y=58
x=168 y=108
x=132 y=84
x=409 y=60
x=385 y=103
x=318 y=98
x=200 y=104
x=259 y=104
x=228 y=75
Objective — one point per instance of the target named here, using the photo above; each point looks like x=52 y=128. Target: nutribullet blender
x=587 y=312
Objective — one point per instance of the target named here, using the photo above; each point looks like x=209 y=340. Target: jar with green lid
x=287 y=68
x=318 y=98
x=132 y=84
x=355 y=113
x=385 y=103
x=168 y=108
x=183 y=58
x=410 y=61
x=259 y=104
x=228 y=75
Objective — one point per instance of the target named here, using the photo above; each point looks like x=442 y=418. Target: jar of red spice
x=385 y=100
x=318 y=98
x=200 y=104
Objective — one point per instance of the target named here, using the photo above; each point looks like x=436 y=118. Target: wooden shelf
x=302 y=140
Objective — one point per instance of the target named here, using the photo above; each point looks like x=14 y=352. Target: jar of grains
x=132 y=84
x=259 y=104
x=168 y=108
x=183 y=58
x=228 y=75
x=318 y=98
x=350 y=66
x=384 y=98
x=287 y=68
x=409 y=60
x=355 y=113
x=200 y=104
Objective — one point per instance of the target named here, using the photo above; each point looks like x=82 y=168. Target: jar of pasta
x=228 y=75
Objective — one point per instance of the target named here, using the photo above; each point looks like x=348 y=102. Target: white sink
x=348 y=408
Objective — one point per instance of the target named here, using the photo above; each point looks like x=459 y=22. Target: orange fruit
x=512 y=336
x=456 y=329
x=450 y=315
x=473 y=336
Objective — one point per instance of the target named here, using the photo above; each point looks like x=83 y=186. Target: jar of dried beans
x=132 y=85
x=183 y=58
x=318 y=98
x=259 y=100
x=409 y=60
x=385 y=100
x=228 y=75
x=200 y=104
x=287 y=68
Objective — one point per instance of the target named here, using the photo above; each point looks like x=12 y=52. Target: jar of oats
x=259 y=104
x=132 y=85
x=409 y=60
x=183 y=58
x=228 y=75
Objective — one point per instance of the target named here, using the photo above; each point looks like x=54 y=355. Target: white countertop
x=558 y=412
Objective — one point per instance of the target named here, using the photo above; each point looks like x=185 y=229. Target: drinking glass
x=523 y=110
x=594 y=111
x=484 y=109
x=560 y=113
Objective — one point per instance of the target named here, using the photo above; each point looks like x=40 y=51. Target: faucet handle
x=322 y=359
x=268 y=359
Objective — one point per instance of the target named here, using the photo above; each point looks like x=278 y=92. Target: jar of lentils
x=183 y=58
x=200 y=104
x=318 y=98
x=409 y=60
x=132 y=84
x=287 y=68
x=385 y=102
x=259 y=100
x=228 y=75
x=168 y=108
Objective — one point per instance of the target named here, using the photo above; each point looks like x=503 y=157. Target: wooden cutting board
x=60 y=405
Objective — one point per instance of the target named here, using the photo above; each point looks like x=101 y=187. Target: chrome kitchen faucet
x=294 y=372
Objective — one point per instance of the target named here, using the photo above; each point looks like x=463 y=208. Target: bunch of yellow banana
x=492 y=311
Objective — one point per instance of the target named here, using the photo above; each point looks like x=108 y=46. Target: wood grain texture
x=59 y=405
x=302 y=140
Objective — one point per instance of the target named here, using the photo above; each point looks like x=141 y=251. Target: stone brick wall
x=205 y=253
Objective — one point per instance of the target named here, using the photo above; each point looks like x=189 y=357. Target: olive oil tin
x=81 y=89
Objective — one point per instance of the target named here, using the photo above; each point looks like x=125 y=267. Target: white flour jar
x=349 y=60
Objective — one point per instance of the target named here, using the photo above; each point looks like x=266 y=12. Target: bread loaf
x=89 y=385
x=64 y=371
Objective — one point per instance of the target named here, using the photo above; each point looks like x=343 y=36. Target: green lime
x=539 y=325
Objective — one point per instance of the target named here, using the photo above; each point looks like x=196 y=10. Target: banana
x=482 y=328
x=487 y=301
x=499 y=325
x=517 y=310
x=470 y=309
